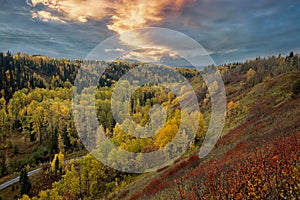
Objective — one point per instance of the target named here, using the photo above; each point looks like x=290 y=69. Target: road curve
x=16 y=180
x=30 y=173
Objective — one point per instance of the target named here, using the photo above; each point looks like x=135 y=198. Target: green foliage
x=24 y=71
x=35 y=101
x=92 y=180
x=69 y=186
x=43 y=115
x=40 y=154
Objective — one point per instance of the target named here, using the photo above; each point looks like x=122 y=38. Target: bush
x=40 y=155
x=16 y=164
x=296 y=88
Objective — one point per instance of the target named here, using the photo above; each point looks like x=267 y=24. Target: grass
x=10 y=193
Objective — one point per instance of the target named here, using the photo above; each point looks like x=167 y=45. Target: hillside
x=256 y=157
x=259 y=159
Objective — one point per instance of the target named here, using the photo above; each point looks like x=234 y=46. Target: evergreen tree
x=24 y=182
x=56 y=169
x=3 y=169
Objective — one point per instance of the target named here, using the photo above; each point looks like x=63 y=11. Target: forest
x=37 y=129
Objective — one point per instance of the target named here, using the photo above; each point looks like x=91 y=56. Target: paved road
x=30 y=173
x=16 y=180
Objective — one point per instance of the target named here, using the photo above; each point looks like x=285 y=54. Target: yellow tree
x=168 y=131
x=3 y=119
x=69 y=186
x=49 y=195
x=57 y=163
x=233 y=108
x=25 y=197
x=251 y=73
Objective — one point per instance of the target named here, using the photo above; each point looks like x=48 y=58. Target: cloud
x=114 y=50
x=75 y=10
x=139 y=14
x=254 y=29
x=227 y=51
x=124 y=15
x=45 y=16
x=148 y=55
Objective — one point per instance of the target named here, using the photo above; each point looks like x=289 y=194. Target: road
x=30 y=173
x=16 y=180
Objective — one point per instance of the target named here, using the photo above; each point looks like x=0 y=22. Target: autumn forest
x=257 y=156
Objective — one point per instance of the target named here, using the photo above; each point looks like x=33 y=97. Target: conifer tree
x=25 y=185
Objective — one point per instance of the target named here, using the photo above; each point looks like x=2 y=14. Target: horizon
x=230 y=32
x=136 y=61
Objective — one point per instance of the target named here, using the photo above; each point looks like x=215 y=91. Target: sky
x=229 y=30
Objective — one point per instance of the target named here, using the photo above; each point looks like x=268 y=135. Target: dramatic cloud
x=142 y=13
x=124 y=15
x=229 y=30
x=75 y=10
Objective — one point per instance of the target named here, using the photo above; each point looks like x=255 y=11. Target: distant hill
x=24 y=71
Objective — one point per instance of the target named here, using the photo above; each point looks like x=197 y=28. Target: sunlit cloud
x=75 y=10
x=151 y=55
x=124 y=15
x=230 y=30
x=142 y=13
x=45 y=16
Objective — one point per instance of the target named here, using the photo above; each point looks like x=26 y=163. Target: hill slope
x=260 y=158
x=256 y=157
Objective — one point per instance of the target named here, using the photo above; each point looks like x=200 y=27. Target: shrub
x=296 y=88
x=40 y=155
